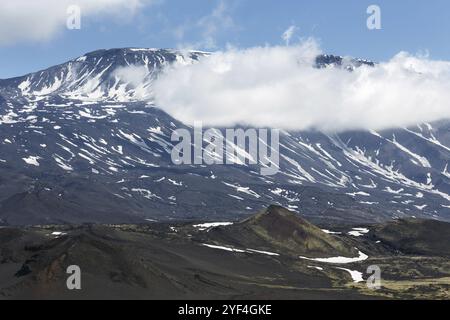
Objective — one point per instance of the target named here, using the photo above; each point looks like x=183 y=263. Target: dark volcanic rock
x=279 y=229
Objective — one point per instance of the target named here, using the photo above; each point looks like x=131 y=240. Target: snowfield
x=339 y=260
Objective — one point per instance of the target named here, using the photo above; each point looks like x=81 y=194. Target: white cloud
x=134 y=75
x=278 y=87
x=41 y=20
x=219 y=18
x=208 y=27
x=288 y=34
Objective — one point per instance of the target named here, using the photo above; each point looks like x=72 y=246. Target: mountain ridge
x=65 y=153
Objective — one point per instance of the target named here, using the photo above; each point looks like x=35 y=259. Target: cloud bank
x=41 y=20
x=278 y=87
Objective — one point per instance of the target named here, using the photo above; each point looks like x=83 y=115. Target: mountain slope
x=83 y=141
x=281 y=230
x=130 y=261
x=415 y=236
x=115 y=75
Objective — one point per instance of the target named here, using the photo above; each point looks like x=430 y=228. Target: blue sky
x=340 y=26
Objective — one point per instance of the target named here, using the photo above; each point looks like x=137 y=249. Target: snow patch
x=339 y=260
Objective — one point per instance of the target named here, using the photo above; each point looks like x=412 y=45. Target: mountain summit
x=113 y=75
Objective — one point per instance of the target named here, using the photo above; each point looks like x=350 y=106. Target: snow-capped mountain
x=83 y=142
x=118 y=74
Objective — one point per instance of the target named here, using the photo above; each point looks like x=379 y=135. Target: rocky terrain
x=274 y=254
